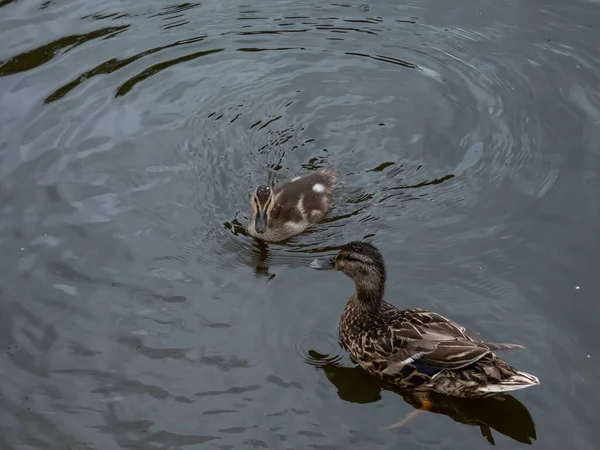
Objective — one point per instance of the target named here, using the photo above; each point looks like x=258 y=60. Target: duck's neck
x=369 y=293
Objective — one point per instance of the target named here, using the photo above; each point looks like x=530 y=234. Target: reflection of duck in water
x=290 y=208
x=414 y=348
x=502 y=413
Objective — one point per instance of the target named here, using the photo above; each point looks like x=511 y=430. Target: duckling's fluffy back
x=322 y=181
x=304 y=200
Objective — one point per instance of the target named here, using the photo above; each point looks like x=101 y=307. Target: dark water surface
x=136 y=314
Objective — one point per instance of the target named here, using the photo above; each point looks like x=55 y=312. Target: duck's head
x=261 y=200
x=362 y=262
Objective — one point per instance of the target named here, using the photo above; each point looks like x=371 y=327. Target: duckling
x=290 y=208
x=414 y=348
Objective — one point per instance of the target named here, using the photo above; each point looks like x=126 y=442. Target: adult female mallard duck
x=414 y=348
x=290 y=208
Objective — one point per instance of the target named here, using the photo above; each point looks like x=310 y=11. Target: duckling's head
x=261 y=200
x=362 y=262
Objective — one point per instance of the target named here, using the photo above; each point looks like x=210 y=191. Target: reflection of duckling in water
x=290 y=208
x=414 y=348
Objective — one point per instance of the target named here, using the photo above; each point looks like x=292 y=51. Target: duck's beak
x=260 y=223
x=323 y=264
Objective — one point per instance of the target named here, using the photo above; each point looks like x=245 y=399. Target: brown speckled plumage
x=290 y=208
x=415 y=348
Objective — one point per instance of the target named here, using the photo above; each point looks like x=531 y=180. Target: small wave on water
x=320 y=349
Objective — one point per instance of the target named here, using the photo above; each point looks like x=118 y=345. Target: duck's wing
x=427 y=337
x=431 y=325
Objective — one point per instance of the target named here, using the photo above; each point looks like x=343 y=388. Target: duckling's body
x=415 y=348
x=290 y=208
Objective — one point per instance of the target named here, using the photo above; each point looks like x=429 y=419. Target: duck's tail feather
x=520 y=380
x=496 y=346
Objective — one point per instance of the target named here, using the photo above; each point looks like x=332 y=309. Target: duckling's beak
x=260 y=224
x=323 y=264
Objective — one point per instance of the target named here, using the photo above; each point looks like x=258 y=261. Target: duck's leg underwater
x=425 y=406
